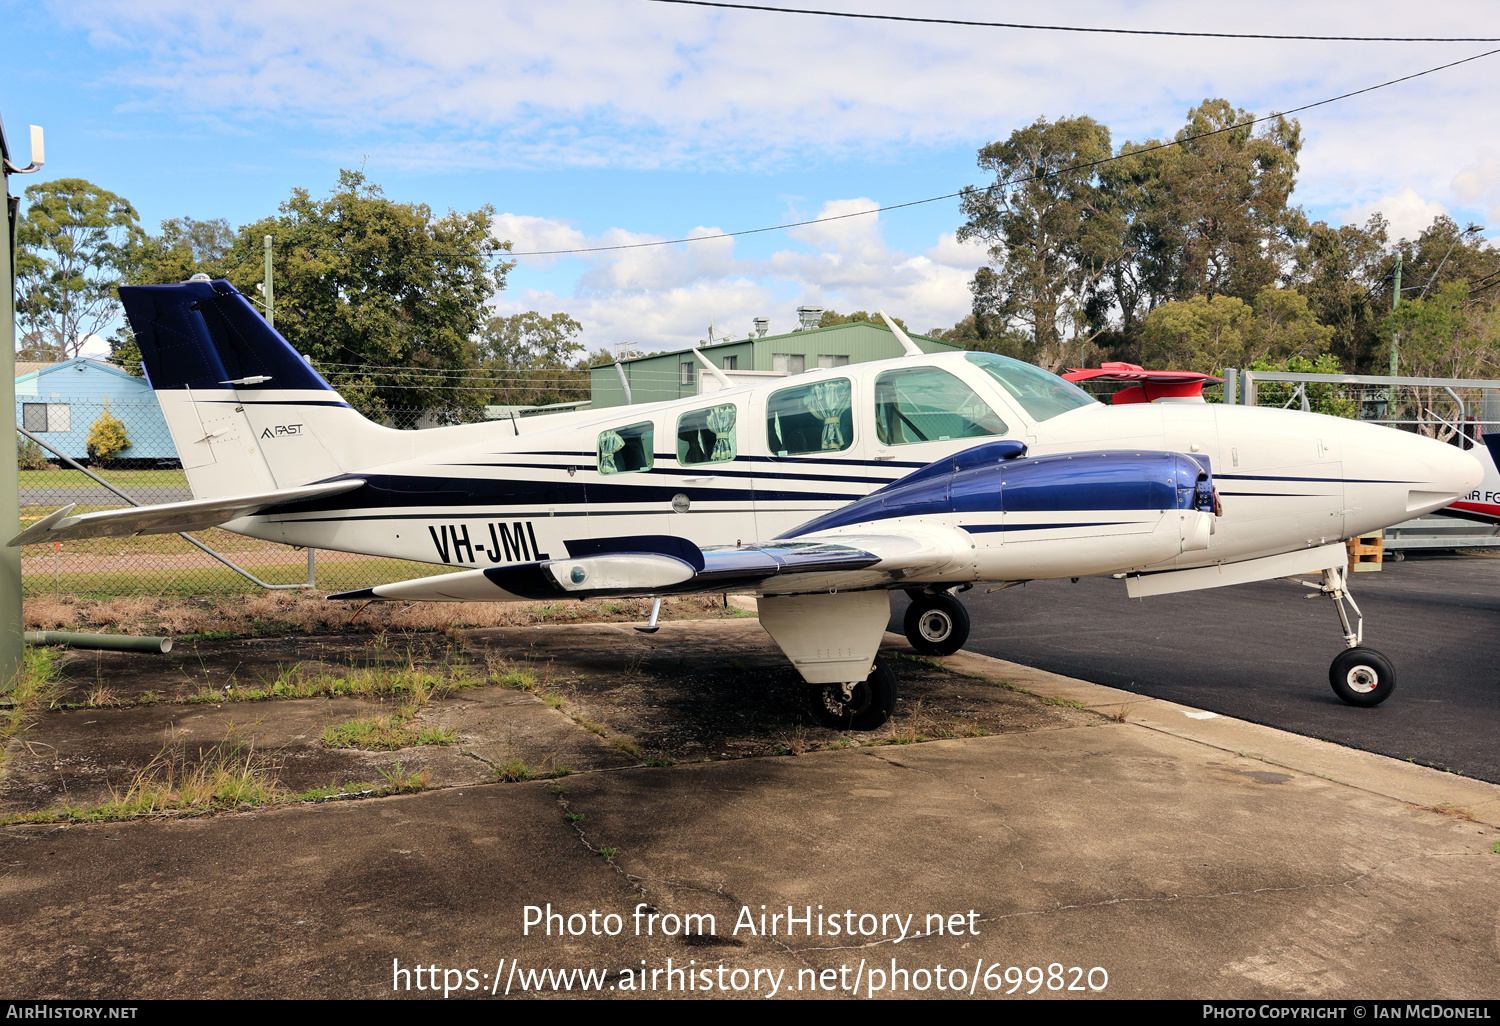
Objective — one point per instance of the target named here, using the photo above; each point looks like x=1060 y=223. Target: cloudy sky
x=605 y=122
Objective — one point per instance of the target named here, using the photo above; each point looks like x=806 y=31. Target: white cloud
x=665 y=297
x=1408 y=213
x=626 y=83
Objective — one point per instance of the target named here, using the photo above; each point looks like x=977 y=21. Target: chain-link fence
x=126 y=454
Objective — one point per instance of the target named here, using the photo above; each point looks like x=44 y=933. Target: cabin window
x=925 y=404
x=1040 y=394
x=43 y=417
x=706 y=436
x=626 y=449
x=813 y=418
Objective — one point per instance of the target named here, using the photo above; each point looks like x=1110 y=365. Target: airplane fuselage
x=504 y=492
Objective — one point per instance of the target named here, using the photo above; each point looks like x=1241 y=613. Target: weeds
x=36 y=685
x=400 y=781
x=231 y=777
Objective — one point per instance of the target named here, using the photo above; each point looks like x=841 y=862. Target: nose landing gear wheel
x=936 y=624
x=1362 y=677
x=862 y=705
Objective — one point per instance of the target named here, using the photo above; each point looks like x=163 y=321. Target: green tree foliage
x=29 y=455
x=381 y=295
x=833 y=317
x=1446 y=335
x=1083 y=252
x=1208 y=334
x=1345 y=273
x=74 y=245
x=533 y=356
x=1220 y=204
x=1322 y=397
x=107 y=438
x=1038 y=218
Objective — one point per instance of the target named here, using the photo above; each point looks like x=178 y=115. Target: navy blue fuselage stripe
x=992 y=528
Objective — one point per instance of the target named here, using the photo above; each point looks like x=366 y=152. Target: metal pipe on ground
x=108 y=642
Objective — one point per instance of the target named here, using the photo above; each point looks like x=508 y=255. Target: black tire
x=868 y=706
x=1362 y=677
x=936 y=625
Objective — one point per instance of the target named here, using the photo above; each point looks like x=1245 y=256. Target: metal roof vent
x=762 y=325
x=808 y=317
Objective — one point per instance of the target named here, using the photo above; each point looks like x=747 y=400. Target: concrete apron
x=1186 y=855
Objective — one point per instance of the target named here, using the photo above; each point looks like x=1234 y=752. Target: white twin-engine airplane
x=819 y=493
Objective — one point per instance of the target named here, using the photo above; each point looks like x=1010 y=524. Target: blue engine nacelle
x=998 y=478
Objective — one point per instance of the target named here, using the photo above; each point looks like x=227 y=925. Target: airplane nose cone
x=1444 y=473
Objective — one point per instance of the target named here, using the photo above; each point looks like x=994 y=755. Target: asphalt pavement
x=1260 y=652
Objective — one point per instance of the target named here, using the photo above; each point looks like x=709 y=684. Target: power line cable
x=1008 y=182
x=1079 y=28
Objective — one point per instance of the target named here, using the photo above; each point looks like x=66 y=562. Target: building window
x=706 y=436
x=626 y=449
x=833 y=361
x=731 y=363
x=685 y=374
x=788 y=363
x=813 y=418
x=41 y=417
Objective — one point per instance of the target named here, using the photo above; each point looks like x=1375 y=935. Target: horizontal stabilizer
x=170 y=517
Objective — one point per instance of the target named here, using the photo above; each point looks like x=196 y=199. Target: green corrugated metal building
x=675 y=375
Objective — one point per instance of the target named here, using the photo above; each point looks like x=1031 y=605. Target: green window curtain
x=626 y=449
x=610 y=443
x=707 y=436
x=811 y=418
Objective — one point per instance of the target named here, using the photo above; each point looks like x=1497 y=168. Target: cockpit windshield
x=1042 y=395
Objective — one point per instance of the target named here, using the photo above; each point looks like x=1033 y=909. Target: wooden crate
x=1366 y=552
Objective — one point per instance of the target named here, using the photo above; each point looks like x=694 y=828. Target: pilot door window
x=706 y=436
x=809 y=419
x=924 y=404
x=626 y=449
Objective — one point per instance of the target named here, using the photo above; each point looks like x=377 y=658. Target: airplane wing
x=659 y=564
x=170 y=517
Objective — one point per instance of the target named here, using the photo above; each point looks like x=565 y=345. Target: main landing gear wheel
x=936 y=624
x=1362 y=677
x=861 y=705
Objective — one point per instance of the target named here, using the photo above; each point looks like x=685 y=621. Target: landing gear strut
x=1360 y=676
x=858 y=705
x=936 y=624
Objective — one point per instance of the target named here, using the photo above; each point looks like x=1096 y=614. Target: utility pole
x=1396 y=332
x=12 y=645
x=270 y=289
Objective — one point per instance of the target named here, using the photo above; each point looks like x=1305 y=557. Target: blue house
x=60 y=402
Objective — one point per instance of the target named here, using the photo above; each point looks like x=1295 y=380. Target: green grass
x=57 y=477
x=332 y=575
x=414 y=683
x=385 y=734
x=37 y=685
x=231 y=779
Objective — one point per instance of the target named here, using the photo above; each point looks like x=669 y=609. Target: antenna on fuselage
x=912 y=349
x=724 y=381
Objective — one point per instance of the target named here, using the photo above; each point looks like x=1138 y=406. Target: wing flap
x=170 y=517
